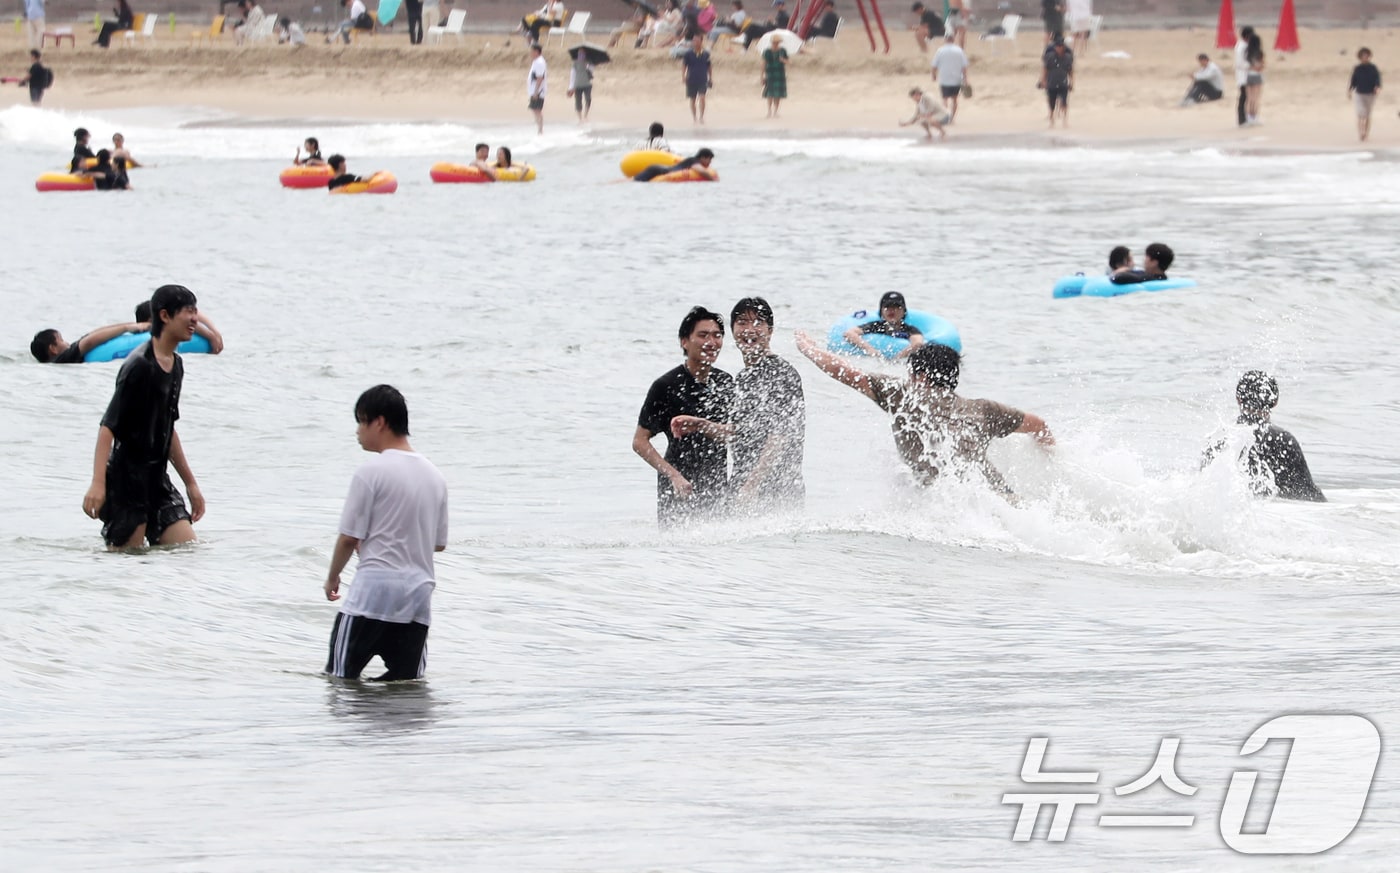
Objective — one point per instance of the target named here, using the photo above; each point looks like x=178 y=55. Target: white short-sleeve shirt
x=397 y=509
x=951 y=63
x=536 y=82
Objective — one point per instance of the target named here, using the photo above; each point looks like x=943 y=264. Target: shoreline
x=838 y=91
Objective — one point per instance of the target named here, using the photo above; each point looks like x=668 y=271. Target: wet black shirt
x=80 y=153
x=930 y=20
x=1135 y=277
x=769 y=405
x=1275 y=455
x=342 y=180
x=702 y=460
x=144 y=408
x=899 y=329
x=71 y=355
x=1365 y=79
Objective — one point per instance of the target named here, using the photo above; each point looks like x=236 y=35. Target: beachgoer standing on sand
x=1057 y=78
x=38 y=78
x=1053 y=14
x=395 y=517
x=1242 y=73
x=927 y=114
x=957 y=21
x=581 y=84
x=536 y=85
x=1364 y=88
x=34 y=24
x=950 y=72
x=131 y=490
x=698 y=76
x=413 y=9
x=1079 y=16
x=692 y=478
x=775 y=59
x=1254 y=80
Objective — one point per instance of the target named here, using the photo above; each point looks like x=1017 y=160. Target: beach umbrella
x=790 y=41
x=387 y=10
x=1225 y=26
x=1287 y=40
x=595 y=54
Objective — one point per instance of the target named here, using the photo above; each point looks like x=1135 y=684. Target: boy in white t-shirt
x=396 y=518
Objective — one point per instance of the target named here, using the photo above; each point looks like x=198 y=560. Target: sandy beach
x=837 y=87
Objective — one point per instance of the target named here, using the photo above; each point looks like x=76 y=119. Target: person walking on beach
x=1057 y=78
x=395 y=517
x=536 y=85
x=930 y=422
x=950 y=72
x=39 y=78
x=34 y=24
x=928 y=27
x=1364 y=88
x=1242 y=73
x=927 y=114
x=1254 y=80
x=692 y=478
x=131 y=491
x=581 y=84
x=1274 y=460
x=775 y=59
x=1207 y=82
x=956 y=26
x=1052 y=12
x=698 y=75
x=413 y=9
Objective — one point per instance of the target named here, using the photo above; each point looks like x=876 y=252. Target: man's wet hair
x=696 y=315
x=171 y=299
x=1162 y=254
x=337 y=162
x=1118 y=257
x=656 y=129
x=480 y=146
x=383 y=401
x=143 y=311
x=757 y=305
x=940 y=364
x=705 y=153
x=39 y=347
x=1257 y=391
x=1203 y=57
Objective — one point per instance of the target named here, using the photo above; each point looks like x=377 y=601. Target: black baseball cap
x=893 y=298
x=756 y=305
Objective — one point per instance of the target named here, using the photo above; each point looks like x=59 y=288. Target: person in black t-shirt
x=341 y=178
x=700 y=162
x=81 y=152
x=49 y=346
x=692 y=478
x=928 y=27
x=1274 y=460
x=1155 y=262
x=37 y=79
x=131 y=491
x=891 y=323
x=1364 y=88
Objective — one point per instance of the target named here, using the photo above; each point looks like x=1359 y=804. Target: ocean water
x=851 y=689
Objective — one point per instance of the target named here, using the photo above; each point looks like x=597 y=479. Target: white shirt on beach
x=951 y=63
x=929 y=109
x=357 y=8
x=255 y=17
x=1079 y=12
x=397 y=509
x=1241 y=63
x=1212 y=75
x=535 y=82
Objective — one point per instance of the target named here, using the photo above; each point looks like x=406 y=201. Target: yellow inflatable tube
x=634 y=162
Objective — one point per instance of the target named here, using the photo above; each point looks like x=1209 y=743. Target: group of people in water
x=1156 y=259
x=734 y=445
x=107 y=167
x=341 y=177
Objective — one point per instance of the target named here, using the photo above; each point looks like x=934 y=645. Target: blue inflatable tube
x=119 y=347
x=935 y=330
x=1080 y=285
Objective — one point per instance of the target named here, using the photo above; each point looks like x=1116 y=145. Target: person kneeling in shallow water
x=928 y=418
x=1274 y=459
x=700 y=163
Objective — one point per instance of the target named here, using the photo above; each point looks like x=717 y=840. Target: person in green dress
x=775 y=59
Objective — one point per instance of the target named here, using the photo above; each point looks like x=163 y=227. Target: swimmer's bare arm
x=182 y=468
x=97 y=491
x=206 y=329
x=641 y=444
x=685 y=425
x=95 y=338
x=916 y=339
x=345 y=546
x=855 y=337
x=1037 y=428
x=833 y=365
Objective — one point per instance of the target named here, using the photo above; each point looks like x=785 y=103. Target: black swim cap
x=1257 y=390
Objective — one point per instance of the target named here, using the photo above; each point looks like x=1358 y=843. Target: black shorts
x=693 y=91
x=403 y=647
x=950 y=90
x=1055 y=23
x=139 y=494
x=1057 y=96
x=536 y=104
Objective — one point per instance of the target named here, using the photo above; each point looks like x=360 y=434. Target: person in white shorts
x=396 y=518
